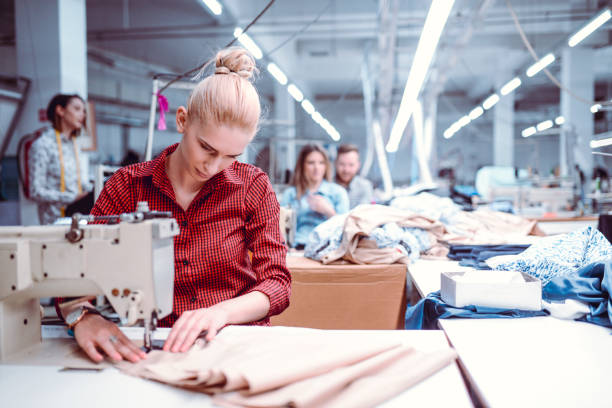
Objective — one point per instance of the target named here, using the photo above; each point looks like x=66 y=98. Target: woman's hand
x=321 y=205
x=94 y=334
x=193 y=322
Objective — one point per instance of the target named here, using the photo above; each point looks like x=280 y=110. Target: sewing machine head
x=131 y=262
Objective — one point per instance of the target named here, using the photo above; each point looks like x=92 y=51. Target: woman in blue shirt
x=313 y=196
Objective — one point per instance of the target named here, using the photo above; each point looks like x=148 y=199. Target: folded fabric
x=271 y=367
x=476 y=255
x=425 y=314
x=364 y=384
x=590 y=285
x=560 y=255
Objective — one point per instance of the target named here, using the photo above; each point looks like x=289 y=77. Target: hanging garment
x=425 y=314
x=272 y=367
x=560 y=255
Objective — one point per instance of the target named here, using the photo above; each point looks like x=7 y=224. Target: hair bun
x=235 y=60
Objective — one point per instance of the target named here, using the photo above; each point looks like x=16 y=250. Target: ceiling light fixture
x=248 y=43
x=595 y=108
x=559 y=120
x=547 y=124
x=426 y=48
x=214 y=6
x=601 y=143
x=295 y=92
x=490 y=101
x=541 y=64
x=530 y=131
x=308 y=107
x=476 y=112
x=588 y=29
x=510 y=86
x=277 y=73
x=463 y=121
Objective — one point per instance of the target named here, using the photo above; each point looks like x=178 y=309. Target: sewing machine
x=130 y=261
x=288 y=224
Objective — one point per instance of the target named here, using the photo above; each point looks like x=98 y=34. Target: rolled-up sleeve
x=264 y=240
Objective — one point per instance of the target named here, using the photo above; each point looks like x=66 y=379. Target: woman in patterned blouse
x=229 y=258
x=57 y=174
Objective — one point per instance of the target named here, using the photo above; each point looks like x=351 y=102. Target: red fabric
x=235 y=212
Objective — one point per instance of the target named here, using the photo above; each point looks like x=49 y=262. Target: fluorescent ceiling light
x=595 y=108
x=430 y=36
x=214 y=6
x=335 y=134
x=541 y=64
x=448 y=133
x=248 y=43
x=476 y=112
x=317 y=117
x=295 y=92
x=510 y=86
x=464 y=120
x=559 y=120
x=547 y=124
x=307 y=106
x=276 y=72
x=490 y=101
x=601 y=143
x=529 y=131
x=588 y=29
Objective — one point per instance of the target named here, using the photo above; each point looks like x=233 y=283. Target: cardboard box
x=345 y=296
x=499 y=289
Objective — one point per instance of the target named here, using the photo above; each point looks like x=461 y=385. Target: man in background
x=359 y=189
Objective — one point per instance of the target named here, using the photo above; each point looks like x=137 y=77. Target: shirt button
x=185 y=262
x=193 y=299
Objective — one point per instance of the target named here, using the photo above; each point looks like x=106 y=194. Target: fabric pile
x=411 y=227
x=576 y=274
x=376 y=234
x=558 y=255
x=272 y=367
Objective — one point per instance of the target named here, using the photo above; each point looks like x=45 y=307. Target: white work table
x=535 y=361
x=38 y=386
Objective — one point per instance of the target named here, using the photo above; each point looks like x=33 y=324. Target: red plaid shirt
x=235 y=212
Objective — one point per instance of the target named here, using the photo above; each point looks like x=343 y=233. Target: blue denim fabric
x=591 y=284
x=476 y=255
x=561 y=255
x=425 y=314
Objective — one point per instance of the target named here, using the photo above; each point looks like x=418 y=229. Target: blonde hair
x=228 y=97
x=299 y=180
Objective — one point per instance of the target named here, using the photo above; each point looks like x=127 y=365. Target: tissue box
x=499 y=289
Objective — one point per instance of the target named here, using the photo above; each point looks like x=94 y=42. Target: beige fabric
x=260 y=360
x=490 y=227
x=475 y=228
x=365 y=384
x=365 y=218
x=265 y=367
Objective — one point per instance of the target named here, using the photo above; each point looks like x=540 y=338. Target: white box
x=499 y=289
